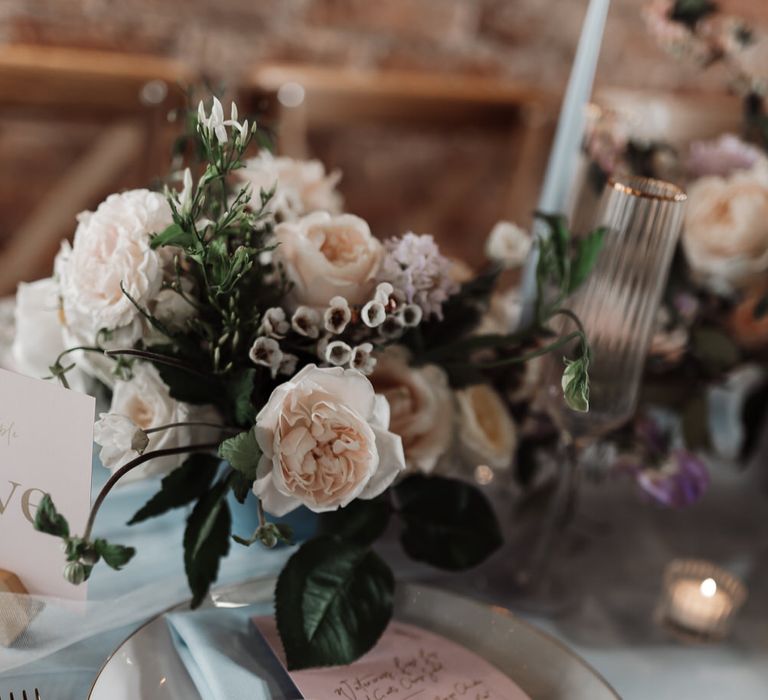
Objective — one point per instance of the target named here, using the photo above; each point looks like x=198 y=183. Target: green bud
x=89 y=557
x=74 y=572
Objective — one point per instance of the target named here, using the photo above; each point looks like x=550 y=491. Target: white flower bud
x=288 y=364
x=392 y=328
x=383 y=292
x=338 y=353
x=411 y=314
x=373 y=314
x=266 y=352
x=306 y=322
x=337 y=315
x=508 y=244
x=362 y=359
x=274 y=322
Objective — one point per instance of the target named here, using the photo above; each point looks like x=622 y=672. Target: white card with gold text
x=46 y=445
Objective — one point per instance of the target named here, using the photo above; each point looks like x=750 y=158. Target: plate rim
x=430 y=588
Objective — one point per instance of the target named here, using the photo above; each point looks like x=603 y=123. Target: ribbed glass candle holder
x=618 y=303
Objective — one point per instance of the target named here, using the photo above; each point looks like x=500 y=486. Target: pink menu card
x=46 y=445
x=407 y=663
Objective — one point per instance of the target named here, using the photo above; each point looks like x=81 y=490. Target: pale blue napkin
x=226 y=657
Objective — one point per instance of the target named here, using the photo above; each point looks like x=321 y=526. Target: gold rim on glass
x=648 y=188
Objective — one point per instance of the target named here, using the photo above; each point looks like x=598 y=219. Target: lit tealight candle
x=700 y=598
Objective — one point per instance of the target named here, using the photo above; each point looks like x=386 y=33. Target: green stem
x=130 y=466
x=533 y=354
x=203 y=424
x=155 y=357
x=262 y=518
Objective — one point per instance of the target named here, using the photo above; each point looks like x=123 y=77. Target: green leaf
x=715 y=349
x=761 y=308
x=240 y=391
x=575 y=383
x=49 y=520
x=173 y=235
x=206 y=541
x=448 y=523
x=333 y=601
x=188 y=387
x=183 y=485
x=243 y=453
x=695 y=423
x=361 y=522
x=555 y=249
x=689 y=12
x=241 y=486
x=587 y=252
x=114 y=555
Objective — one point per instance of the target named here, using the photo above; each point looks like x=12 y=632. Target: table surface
x=622 y=546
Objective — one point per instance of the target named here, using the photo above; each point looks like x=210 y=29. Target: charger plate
x=147 y=666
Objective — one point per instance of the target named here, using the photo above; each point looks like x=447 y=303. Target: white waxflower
x=411 y=315
x=266 y=352
x=508 y=244
x=121 y=440
x=383 y=291
x=288 y=364
x=338 y=353
x=392 y=327
x=362 y=359
x=213 y=124
x=322 y=345
x=274 y=322
x=306 y=322
x=373 y=314
x=337 y=315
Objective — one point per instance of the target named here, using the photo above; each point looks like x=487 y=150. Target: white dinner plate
x=147 y=666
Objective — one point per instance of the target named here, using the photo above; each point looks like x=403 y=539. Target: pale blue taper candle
x=564 y=157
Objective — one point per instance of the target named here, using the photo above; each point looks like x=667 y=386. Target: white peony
x=508 y=244
x=325 y=442
x=487 y=433
x=328 y=256
x=111 y=248
x=421 y=407
x=301 y=187
x=146 y=401
x=725 y=238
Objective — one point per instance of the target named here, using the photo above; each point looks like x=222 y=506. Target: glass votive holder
x=699 y=599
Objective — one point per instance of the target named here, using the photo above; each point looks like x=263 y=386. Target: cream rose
x=325 y=442
x=487 y=433
x=111 y=247
x=145 y=400
x=421 y=407
x=301 y=186
x=328 y=256
x=726 y=229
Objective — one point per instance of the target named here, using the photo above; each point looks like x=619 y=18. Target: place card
x=46 y=444
x=407 y=663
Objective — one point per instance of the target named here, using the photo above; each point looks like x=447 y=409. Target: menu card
x=407 y=663
x=46 y=444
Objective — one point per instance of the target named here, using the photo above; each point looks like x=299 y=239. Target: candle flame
x=708 y=587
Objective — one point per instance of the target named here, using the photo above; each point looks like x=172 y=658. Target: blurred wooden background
x=440 y=112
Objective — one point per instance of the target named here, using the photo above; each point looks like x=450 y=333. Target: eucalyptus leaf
x=206 y=541
x=243 y=453
x=447 y=523
x=332 y=602
x=183 y=485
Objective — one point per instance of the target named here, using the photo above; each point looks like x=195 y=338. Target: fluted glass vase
x=617 y=307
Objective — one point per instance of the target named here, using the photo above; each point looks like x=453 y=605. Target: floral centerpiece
x=244 y=320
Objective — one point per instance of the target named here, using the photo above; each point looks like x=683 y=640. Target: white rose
x=327 y=256
x=325 y=441
x=39 y=340
x=726 y=228
x=111 y=247
x=146 y=401
x=421 y=407
x=120 y=439
x=301 y=187
x=487 y=433
x=508 y=244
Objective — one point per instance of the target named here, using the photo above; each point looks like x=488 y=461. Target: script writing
x=7 y=433
x=407 y=663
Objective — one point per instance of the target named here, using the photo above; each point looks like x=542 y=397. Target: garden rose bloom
x=121 y=440
x=325 y=442
x=487 y=433
x=146 y=402
x=726 y=230
x=328 y=256
x=421 y=407
x=722 y=156
x=301 y=186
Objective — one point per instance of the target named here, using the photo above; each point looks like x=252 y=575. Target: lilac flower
x=721 y=157
x=414 y=265
x=680 y=481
